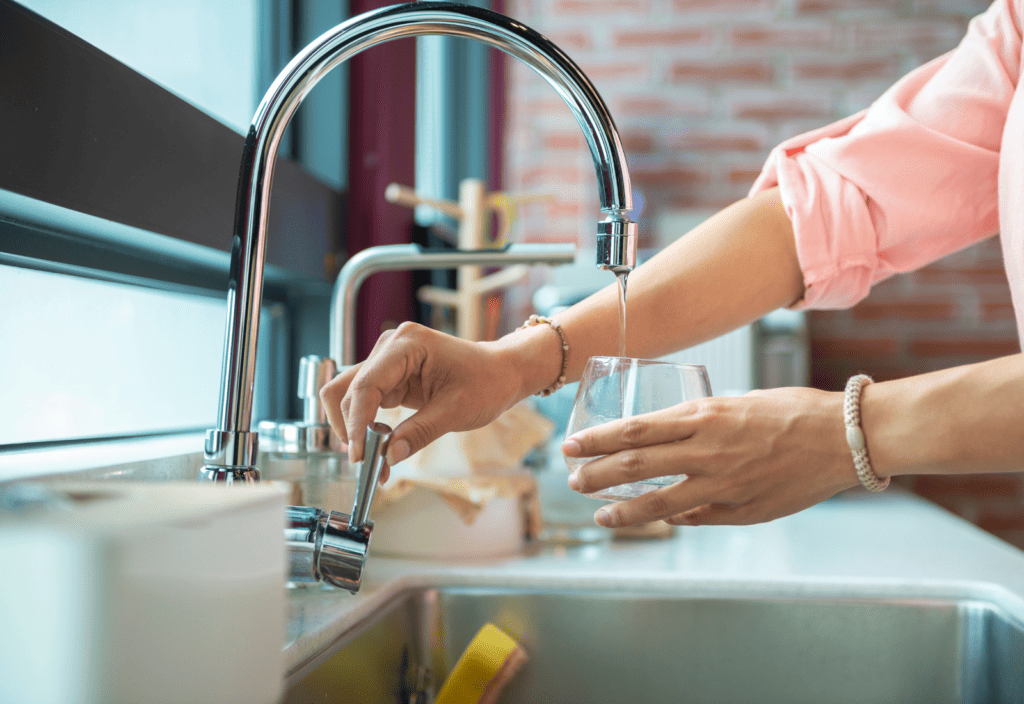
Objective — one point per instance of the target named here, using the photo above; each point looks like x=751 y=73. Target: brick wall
x=701 y=91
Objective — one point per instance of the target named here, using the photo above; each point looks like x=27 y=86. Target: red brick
x=989 y=250
x=721 y=5
x=599 y=7
x=670 y=37
x=656 y=106
x=858 y=70
x=941 y=275
x=963 y=348
x=561 y=208
x=723 y=142
x=637 y=142
x=545 y=107
x=578 y=40
x=543 y=175
x=689 y=199
x=564 y=140
x=996 y=521
x=545 y=235
x=668 y=176
x=820 y=6
x=744 y=176
x=904 y=310
x=617 y=71
x=774 y=111
x=887 y=371
x=978 y=485
x=783 y=37
x=917 y=33
x=720 y=72
x=997 y=311
x=839 y=348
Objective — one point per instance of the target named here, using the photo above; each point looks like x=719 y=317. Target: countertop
x=854 y=545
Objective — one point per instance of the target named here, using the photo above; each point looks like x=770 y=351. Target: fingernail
x=571 y=447
x=574 y=481
x=603 y=517
x=398 y=452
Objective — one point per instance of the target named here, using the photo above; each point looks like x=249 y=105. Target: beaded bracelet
x=540 y=320
x=855 y=436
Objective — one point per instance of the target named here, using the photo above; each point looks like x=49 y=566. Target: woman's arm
x=772 y=453
x=729 y=271
x=954 y=421
x=734 y=268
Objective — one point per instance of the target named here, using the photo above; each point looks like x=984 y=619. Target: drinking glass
x=622 y=387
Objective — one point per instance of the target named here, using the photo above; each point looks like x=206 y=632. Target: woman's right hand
x=454 y=384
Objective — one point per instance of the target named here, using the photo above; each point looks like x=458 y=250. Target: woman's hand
x=454 y=384
x=747 y=459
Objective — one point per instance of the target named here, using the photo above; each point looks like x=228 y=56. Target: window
x=116 y=206
x=203 y=50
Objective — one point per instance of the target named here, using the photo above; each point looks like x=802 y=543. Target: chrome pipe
x=230 y=451
x=403 y=257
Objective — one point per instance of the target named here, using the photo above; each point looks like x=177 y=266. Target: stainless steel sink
x=619 y=647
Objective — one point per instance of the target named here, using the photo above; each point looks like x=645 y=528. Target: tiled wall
x=701 y=91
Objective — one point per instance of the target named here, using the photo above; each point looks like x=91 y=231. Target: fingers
x=654 y=505
x=360 y=408
x=668 y=425
x=419 y=430
x=331 y=397
x=716 y=515
x=631 y=466
x=379 y=381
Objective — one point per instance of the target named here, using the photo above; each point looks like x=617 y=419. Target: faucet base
x=229 y=475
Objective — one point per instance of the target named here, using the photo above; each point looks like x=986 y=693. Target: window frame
x=110 y=176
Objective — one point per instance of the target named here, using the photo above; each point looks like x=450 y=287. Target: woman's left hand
x=747 y=459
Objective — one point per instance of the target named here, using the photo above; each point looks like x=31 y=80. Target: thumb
x=419 y=430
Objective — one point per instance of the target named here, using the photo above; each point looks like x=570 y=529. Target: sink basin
x=603 y=646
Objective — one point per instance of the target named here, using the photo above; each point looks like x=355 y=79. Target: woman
x=936 y=164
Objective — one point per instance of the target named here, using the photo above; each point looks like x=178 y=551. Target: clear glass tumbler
x=622 y=387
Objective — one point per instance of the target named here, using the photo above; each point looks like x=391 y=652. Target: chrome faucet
x=232 y=447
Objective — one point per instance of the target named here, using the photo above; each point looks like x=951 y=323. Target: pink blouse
x=934 y=165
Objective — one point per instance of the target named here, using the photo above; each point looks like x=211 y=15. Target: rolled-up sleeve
x=909 y=180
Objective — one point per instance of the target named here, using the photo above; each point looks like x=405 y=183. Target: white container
x=144 y=592
x=422 y=525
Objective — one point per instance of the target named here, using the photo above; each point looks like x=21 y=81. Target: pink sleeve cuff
x=835 y=237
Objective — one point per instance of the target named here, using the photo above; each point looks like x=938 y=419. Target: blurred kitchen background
x=701 y=91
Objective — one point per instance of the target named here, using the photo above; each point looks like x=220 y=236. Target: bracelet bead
x=541 y=320
x=855 y=435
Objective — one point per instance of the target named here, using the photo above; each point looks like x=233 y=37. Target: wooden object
x=473 y=214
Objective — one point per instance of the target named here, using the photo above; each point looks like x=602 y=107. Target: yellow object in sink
x=490 y=661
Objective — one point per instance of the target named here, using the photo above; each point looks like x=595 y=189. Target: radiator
x=729 y=359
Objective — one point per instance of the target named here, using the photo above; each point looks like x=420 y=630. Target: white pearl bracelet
x=855 y=436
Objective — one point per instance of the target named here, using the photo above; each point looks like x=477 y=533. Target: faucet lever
x=378 y=435
x=332 y=547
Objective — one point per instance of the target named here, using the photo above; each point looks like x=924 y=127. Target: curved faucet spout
x=231 y=449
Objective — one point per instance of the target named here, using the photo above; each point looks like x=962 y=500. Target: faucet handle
x=314 y=373
x=378 y=435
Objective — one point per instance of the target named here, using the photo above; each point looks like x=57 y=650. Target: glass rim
x=651 y=362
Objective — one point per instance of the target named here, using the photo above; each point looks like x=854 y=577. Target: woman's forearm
x=729 y=271
x=954 y=421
